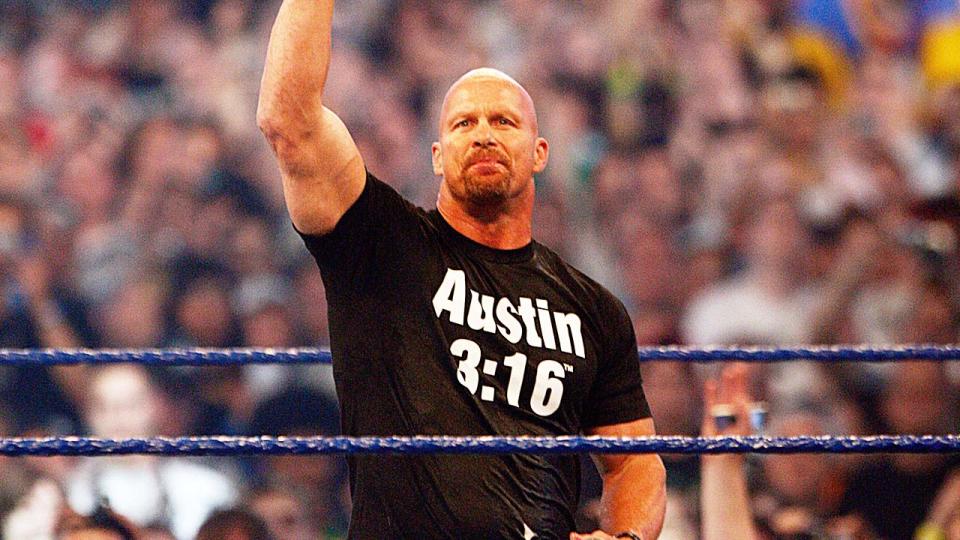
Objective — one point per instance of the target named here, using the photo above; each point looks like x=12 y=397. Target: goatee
x=487 y=189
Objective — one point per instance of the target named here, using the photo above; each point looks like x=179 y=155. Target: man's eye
x=463 y=123
x=505 y=122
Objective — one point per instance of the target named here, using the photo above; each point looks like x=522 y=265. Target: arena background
x=737 y=171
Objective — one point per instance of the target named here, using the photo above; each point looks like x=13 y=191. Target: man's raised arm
x=323 y=173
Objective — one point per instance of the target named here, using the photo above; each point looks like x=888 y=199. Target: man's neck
x=506 y=226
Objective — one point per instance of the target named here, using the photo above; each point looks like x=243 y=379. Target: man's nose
x=483 y=135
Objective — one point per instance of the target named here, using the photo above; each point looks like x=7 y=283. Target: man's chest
x=510 y=340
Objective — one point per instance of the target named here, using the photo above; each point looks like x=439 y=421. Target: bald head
x=487 y=73
x=490 y=75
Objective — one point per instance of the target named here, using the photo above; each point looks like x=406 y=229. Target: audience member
x=894 y=493
x=234 y=524
x=176 y=492
x=285 y=514
x=102 y=524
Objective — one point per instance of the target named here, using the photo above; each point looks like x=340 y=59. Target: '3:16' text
x=547 y=386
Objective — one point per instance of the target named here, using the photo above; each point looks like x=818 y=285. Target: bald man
x=455 y=321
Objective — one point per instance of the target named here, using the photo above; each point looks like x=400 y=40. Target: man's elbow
x=283 y=120
x=268 y=118
x=291 y=145
x=277 y=129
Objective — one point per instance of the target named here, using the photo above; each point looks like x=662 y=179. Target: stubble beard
x=489 y=189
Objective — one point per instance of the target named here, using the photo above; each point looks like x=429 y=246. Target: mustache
x=485 y=154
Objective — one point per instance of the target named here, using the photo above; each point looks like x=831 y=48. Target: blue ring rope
x=227 y=357
x=236 y=446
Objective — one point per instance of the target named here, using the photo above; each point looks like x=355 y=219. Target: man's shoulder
x=379 y=232
x=380 y=204
x=383 y=190
x=585 y=287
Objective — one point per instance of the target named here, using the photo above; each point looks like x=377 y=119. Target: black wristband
x=627 y=534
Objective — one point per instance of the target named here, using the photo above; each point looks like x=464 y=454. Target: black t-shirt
x=434 y=334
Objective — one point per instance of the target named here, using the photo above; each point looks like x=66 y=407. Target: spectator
x=178 y=492
x=102 y=524
x=285 y=514
x=770 y=302
x=943 y=518
x=317 y=480
x=895 y=493
x=234 y=524
x=802 y=493
x=30 y=317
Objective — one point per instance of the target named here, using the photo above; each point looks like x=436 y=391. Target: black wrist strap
x=627 y=534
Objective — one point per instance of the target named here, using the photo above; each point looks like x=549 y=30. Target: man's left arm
x=634 y=487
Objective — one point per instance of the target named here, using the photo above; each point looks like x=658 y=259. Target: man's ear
x=437 y=159
x=541 y=152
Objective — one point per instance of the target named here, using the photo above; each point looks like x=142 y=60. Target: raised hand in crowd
x=724 y=500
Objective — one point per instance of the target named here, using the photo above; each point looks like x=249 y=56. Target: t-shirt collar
x=521 y=254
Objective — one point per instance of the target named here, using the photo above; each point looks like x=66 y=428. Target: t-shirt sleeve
x=371 y=235
x=617 y=393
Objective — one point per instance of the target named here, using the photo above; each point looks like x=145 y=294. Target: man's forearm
x=295 y=72
x=634 y=497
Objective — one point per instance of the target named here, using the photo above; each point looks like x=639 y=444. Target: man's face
x=489 y=148
x=122 y=403
x=284 y=515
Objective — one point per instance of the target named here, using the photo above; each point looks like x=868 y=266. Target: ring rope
x=246 y=446
x=306 y=355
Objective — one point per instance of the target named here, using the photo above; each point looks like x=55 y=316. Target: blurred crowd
x=752 y=172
